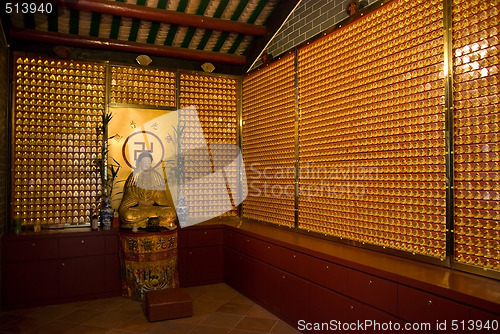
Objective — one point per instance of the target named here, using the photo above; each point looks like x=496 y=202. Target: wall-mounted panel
x=140 y=86
x=476 y=134
x=58 y=107
x=216 y=102
x=372 y=139
x=269 y=142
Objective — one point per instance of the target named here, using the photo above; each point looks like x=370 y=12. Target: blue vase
x=182 y=210
x=106 y=215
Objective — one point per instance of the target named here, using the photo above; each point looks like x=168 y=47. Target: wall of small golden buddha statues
x=216 y=101
x=141 y=86
x=57 y=112
x=476 y=118
x=57 y=117
x=373 y=150
x=269 y=143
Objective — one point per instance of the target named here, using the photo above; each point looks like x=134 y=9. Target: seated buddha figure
x=146 y=199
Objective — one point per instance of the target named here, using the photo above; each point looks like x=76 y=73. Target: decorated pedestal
x=148 y=262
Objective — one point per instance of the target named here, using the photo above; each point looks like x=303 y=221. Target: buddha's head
x=144 y=161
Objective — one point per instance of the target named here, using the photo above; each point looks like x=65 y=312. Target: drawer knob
x=429 y=302
x=370 y=282
x=327 y=267
x=205 y=233
x=294 y=256
x=34 y=244
x=268 y=247
x=63 y=264
x=83 y=241
x=351 y=308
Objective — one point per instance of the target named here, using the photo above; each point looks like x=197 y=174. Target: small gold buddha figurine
x=146 y=199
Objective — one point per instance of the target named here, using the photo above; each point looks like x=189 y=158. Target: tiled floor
x=218 y=309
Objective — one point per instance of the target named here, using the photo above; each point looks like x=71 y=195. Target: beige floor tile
x=80 y=316
x=52 y=311
x=131 y=309
x=195 y=319
x=204 y=307
x=117 y=331
x=85 y=329
x=240 y=299
x=234 y=308
x=123 y=305
x=108 y=320
x=201 y=329
x=197 y=291
x=218 y=292
x=242 y=331
x=222 y=320
x=172 y=327
x=256 y=324
x=53 y=327
x=138 y=324
x=283 y=328
x=22 y=325
x=217 y=309
x=260 y=312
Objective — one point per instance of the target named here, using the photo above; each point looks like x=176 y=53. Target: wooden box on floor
x=168 y=304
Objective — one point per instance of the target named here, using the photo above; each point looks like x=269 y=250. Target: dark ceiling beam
x=273 y=24
x=162 y=15
x=125 y=46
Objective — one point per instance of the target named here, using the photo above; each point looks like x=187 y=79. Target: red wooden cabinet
x=265 y=282
x=329 y=275
x=335 y=312
x=29 y=283
x=233 y=268
x=205 y=265
x=327 y=308
x=200 y=256
x=294 y=262
x=82 y=246
x=82 y=266
x=46 y=268
x=294 y=297
x=373 y=290
x=80 y=276
x=422 y=307
x=30 y=249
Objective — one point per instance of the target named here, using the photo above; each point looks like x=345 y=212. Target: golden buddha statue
x=146 y=201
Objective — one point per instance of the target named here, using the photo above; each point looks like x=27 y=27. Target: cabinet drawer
x=237 y=241
x=37 y=249
x=294 y=262
x=201 y=238
x=263 y=251
x=373 y=290
x=418 y=306
x=329 y=275
x=82 y=276
x=83 y=246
